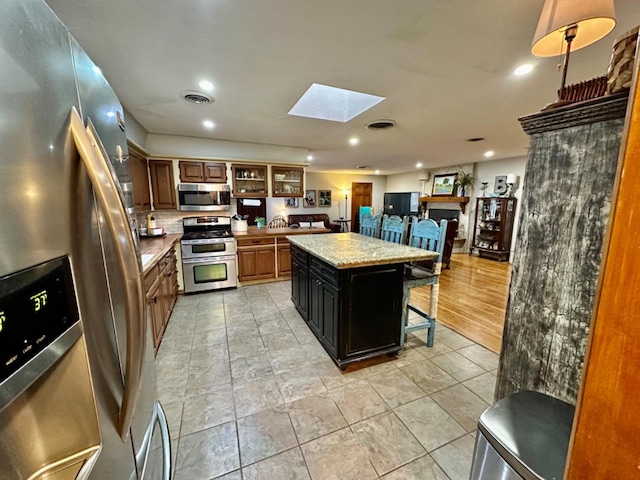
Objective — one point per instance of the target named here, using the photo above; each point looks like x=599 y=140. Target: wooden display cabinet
x=493 y=227
x=249 y=181
x=287 y=182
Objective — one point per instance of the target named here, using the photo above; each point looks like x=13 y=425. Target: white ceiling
x=444 y=66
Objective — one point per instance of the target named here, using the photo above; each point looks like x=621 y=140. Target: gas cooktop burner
x=205 y=235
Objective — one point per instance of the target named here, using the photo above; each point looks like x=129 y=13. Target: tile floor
x=250 y=394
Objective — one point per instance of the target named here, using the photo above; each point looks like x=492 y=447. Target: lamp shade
x=594 y=18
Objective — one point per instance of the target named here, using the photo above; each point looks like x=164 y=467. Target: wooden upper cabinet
x=249 y=180
x=203 y=172
x=140 y=179
x=287 y=181
x=215 y=172
x=162 y=184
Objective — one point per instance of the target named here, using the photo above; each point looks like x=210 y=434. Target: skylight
x=332 y=103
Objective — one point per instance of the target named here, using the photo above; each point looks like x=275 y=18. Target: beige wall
x=335 y=182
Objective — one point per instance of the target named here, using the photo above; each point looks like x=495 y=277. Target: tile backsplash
x=171 y=220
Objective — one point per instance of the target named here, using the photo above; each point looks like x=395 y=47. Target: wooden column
x=565 y=208
x=606 y=430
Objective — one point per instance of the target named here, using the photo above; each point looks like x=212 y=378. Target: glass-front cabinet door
x=287 y=182
x=249 y=180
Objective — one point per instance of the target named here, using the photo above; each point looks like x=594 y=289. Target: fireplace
x=438 y=214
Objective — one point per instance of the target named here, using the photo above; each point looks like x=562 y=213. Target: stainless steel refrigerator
x=77 y=378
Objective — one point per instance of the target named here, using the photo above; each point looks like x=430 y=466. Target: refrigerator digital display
x=36 y=307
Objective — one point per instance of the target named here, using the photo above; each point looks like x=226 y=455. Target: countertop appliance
x=208 y=254
x=78 y=388
x=203 y=197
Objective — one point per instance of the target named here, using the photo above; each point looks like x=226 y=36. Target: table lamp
x=567 y=25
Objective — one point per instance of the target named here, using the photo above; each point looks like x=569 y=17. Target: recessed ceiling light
x=418 y=165
x=377 y=172
x=489 y=153
x=354 y=141
x=523 y=69
x=208 y=124
x=206 y=85
x=332 y=103
x=309 y=157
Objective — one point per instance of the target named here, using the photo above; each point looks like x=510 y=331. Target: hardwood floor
x=473 y=298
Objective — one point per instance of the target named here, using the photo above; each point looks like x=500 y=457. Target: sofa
x=314 y=217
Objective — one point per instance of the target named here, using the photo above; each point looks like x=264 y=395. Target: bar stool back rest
x=370 y=225
x=394 y=229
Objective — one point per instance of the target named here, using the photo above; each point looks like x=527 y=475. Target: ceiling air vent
x=362 y=166
x=381 y=125
x=199 y=98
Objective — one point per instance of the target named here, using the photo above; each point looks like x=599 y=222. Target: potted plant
x=464 y=180
x=260 y=221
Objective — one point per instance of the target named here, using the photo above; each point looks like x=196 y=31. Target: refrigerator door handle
x=106 y=191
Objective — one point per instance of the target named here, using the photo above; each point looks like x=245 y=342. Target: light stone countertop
x=349 y=250
x=156 y=246
x=253 y=231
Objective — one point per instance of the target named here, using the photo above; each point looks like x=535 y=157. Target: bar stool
x=425 y=234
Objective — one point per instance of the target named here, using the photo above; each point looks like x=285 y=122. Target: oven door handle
x=117 y=220
x=211 y=259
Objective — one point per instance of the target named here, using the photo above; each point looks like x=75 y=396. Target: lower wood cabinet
x=284 y=257
x=263 y=258
x=355 y=313
x=256 y=258
x=161 y=286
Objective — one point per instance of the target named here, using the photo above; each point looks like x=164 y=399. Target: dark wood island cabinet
x=351 y=298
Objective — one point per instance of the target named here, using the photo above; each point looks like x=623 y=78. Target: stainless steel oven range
x=208 y=254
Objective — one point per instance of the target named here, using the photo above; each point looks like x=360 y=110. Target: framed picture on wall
x=443 y=185
x=309 y=198
x=324 y=198
x=291 y=202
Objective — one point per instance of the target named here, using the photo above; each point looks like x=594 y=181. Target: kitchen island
x=348 y=288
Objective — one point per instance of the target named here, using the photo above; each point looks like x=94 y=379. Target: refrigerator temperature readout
x=39 y=300
x=36 y=307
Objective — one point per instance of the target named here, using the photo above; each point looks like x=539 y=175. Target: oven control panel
x=37 y=305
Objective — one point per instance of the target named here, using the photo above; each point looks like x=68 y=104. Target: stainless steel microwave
x=202 y=197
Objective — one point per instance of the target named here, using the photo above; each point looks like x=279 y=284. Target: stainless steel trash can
x=523 y=436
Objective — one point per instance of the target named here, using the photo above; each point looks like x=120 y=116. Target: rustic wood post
x=565 y=208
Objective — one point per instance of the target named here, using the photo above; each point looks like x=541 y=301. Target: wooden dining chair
x=394 y=229
x=428 y=235
x=278 y=222
x=370 y=225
